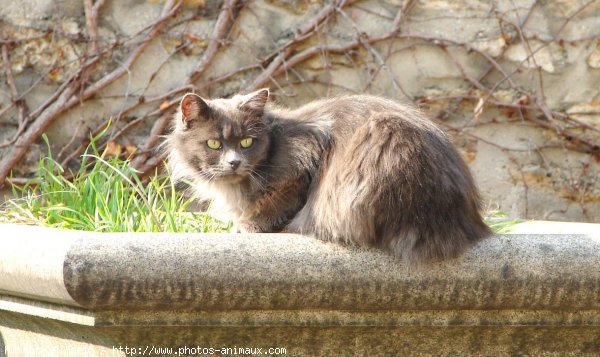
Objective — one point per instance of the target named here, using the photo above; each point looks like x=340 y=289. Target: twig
x=66 y=146
x=84 y=144
x=396 y=29
x=169 y=10
x=12 y=41
x=363 y=39
x=280 y=58
x=91 y=20
x=219 y=32
x=401 y=15
x=155 y=134
x=152 y=163
x=140 y=119
x=68 y=99
x=20 y=103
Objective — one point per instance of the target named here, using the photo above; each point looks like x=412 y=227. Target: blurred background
x=516 y=84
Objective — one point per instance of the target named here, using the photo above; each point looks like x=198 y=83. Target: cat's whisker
x=256 y=179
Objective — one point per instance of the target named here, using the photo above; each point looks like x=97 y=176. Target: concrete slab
x=529 y=294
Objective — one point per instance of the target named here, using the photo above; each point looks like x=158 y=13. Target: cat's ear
x=193 y=108
x=255 y=102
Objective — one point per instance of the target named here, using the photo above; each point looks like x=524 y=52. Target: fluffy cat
x=358 y=170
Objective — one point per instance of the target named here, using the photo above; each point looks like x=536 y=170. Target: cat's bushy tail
x=396 y=183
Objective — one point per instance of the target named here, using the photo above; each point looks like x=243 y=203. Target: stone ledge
x=208 y=283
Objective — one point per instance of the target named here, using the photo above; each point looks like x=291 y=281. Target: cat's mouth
x=232 y=176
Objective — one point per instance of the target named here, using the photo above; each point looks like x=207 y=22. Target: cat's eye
x=213 y=144
x=246 y=143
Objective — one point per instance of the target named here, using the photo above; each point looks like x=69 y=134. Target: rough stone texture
x=535 y=295
x=68 y=340
x=275 y=271
x=524 y=169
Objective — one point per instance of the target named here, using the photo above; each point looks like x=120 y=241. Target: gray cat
x=358 y=170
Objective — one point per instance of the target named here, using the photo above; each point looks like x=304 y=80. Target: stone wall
x=516 y=84
x=72 y=293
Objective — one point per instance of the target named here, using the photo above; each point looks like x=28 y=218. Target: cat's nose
x=234 y=164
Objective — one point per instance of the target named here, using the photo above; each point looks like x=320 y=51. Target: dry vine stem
x=78 y=90
x=15 y=99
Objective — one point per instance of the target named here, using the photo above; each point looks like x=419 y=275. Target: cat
x=357 y=169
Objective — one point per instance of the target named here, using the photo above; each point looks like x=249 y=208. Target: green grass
x=104 y=195
x=499 y=222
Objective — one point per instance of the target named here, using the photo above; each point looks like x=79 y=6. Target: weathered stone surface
x=417 y=340
x=516 y=294
x=222 y=272
x=549 y=58
x=593 y=59
x=588 y=113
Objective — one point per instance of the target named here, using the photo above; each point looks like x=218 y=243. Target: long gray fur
x=357 y=170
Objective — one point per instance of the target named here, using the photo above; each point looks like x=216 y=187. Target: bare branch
x=91 y=20
x=69 y=98
x=219 y=33
x=15 y=99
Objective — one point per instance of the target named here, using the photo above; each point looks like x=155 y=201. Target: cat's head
x=221 y=140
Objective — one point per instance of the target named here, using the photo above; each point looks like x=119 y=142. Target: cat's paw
x=235 y=228
x=245 y=227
